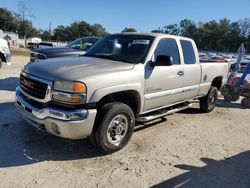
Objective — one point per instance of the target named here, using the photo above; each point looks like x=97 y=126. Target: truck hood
x=74 y=68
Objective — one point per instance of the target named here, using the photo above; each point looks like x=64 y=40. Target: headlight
x=69 y=92
x=70 y=87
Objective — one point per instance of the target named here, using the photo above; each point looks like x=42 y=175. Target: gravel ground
x=187 y=149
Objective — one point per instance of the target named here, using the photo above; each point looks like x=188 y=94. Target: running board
x=163 y=112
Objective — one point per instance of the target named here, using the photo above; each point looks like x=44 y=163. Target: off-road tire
x=207 y=103
x=106 y=115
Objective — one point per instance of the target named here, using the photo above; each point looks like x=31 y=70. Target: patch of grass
x=15 y=52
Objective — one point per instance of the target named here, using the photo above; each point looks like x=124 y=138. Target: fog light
x=67 y=98
x=76 y=116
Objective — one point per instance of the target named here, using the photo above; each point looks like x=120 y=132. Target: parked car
x=46 y=45
x=32 y=45
x=123 y=79
x=5 y=55
x=75 y=48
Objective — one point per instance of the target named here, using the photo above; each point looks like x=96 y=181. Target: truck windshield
x=125 y=48
x=82 y=43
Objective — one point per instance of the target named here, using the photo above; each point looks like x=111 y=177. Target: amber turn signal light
x=79 y=87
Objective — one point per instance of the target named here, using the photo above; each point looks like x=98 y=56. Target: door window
x=188 y=52
x=168 y=47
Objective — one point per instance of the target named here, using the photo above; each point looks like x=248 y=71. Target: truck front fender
x=98 y=94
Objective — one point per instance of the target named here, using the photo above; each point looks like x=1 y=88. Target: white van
x=5 y=55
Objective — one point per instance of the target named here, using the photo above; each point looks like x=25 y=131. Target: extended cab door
x=164 y=83
x=192 y=69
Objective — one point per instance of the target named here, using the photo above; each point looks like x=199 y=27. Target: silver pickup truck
x=123 y=79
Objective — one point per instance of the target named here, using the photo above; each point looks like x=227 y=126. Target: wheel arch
x=129 y=97
x=130 y=94
x=217 y=82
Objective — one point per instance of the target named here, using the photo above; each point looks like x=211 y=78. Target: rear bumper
x=74 y=124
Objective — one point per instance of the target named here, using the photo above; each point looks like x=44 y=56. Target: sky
x=143 y=15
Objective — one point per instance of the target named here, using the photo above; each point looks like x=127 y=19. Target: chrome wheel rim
x=117 y=129
x=212 y=99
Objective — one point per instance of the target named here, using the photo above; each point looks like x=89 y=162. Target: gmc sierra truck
x=123 y=79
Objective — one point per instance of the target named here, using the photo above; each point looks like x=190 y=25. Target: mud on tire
x=115 y=126
x=207 y=103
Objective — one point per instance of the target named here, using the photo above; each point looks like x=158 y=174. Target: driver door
x=164 y=83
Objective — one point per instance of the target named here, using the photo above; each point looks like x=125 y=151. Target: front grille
x=33 y=87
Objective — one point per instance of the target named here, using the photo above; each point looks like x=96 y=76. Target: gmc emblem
x=28 y=84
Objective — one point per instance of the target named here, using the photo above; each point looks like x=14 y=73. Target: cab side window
x=168 y=47
x=188 y=52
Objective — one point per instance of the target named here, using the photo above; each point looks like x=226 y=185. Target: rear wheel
x=207 y=103
x=115 y=126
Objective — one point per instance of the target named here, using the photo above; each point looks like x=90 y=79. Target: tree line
x=222 y=35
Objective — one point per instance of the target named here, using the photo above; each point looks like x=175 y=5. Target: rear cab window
x=188 y=52
x=168 y=46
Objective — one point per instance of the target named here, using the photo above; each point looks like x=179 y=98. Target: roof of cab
x=153 y=35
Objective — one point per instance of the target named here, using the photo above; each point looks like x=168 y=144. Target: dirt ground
x=187 y=149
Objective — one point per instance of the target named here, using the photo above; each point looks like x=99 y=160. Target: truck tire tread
x=105 y=115
x=207 y=103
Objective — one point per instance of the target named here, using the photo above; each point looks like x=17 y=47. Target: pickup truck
x=5 y=55
x=74 y=48
x=123 y=79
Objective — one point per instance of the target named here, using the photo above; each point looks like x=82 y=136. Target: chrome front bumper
x=74 y=124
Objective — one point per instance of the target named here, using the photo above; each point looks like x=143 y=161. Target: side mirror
x=163 y=60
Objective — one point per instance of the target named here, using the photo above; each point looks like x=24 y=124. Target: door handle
x=180 y=73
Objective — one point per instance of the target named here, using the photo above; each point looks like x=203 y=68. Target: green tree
x=247 y=44
x=172 y=29
x=220 y=36
x=159 y=30
x=77 y=30
x=244 y=27
x=128 y=29
x=26 y=29
x=45 y=35
x=188 y=29
x=7 y=21
x=60 y=34
x=98 y=30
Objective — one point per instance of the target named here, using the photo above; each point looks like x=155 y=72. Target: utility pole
x=50 y=31
x=25 y=33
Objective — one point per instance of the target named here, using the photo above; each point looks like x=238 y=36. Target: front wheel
x=115 y=127
x=207 y=103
